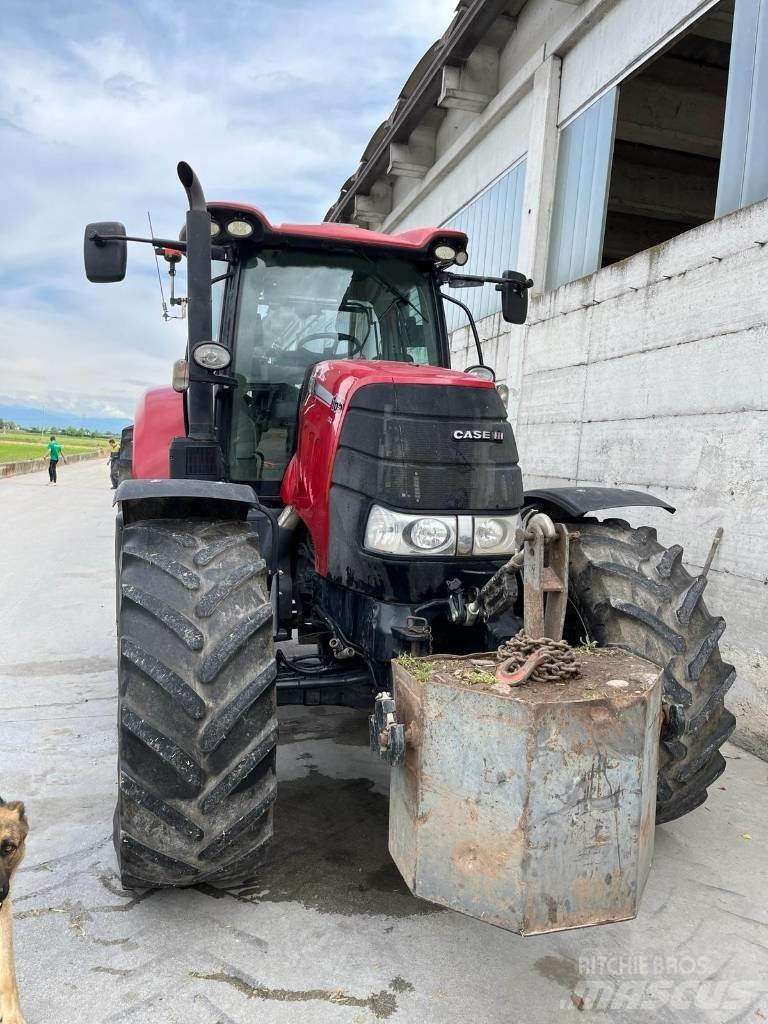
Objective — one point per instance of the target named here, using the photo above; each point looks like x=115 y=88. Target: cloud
x=272 y=101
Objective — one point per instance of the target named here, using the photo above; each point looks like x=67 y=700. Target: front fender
x=577 y=501
x=180 y=499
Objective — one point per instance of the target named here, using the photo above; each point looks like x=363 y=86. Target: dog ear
x=18 y=806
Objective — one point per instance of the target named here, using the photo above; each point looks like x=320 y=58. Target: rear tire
x=196 y=706
x=628 y=591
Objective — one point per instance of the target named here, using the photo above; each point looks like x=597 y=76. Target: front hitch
x=387 y=734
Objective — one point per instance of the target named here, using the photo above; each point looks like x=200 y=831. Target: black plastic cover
x=134 y=490
x=398 y=447
x=180 y=499
x=577 y=501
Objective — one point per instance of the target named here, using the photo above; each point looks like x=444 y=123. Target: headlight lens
x=481 y=372
x=429 y=534
x=445 y=252
x=212 y=356
x=395 y=533
x=495 y=535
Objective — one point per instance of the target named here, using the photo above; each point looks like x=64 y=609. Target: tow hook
x=387 y=734
x=417 y=633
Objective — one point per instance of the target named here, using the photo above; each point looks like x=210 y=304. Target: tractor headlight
x=211 y=356
x=482 y=372
x=396 y=533
x=239 y=228
x=445 y=253
x=495 y=535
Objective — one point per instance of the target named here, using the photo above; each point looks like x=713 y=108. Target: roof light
x=481 y=372
x=445 y=252
x=215 y=229
x=239 y=228
x=462 y=257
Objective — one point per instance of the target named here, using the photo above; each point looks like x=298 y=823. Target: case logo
x=478 y=435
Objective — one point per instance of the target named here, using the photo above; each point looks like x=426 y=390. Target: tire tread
x=196 y=703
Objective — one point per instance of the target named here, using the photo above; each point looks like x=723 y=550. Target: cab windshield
x=299 y=308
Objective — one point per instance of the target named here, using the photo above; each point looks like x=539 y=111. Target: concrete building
x=616 y=151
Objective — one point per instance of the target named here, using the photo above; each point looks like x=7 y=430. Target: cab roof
x=417 y=240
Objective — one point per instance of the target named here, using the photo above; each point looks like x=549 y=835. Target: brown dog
x=13 y=833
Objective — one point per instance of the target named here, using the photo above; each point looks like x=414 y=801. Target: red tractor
x=320 y=473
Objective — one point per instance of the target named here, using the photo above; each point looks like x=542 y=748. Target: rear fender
x=578 y=501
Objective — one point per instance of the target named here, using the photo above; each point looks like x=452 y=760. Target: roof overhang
x=471 y=24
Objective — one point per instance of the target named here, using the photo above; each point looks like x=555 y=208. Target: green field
x=19 y=445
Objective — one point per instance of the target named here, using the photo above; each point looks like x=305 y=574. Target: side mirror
x=104 y=254
x=514 y=296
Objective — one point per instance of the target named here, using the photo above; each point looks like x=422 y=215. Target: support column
x=540 y=172
x=541 y=166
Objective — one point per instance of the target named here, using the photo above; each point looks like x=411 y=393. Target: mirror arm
x=472 y=324
x=218 y=252
x=519 y=282
x=458 y=281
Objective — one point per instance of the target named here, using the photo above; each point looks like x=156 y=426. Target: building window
x=491 y=222
x=682 y=140
x=578 y=214
x=744 y=163
x=669 y=136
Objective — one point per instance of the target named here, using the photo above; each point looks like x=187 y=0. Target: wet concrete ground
x=328 y=932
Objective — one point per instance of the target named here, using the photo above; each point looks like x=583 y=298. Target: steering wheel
x=356 y=346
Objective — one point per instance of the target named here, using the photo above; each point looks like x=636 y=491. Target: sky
x=271 y=101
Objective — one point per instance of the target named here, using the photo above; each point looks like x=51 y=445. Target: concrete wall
x=650 y=373
x=35 y=465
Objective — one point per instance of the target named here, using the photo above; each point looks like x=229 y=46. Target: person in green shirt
x=54 y=454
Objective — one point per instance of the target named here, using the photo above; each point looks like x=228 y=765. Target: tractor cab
x=296 y=308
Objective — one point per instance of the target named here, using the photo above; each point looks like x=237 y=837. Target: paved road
x=330 y=933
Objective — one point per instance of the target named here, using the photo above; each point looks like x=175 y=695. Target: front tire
x=196 y=705
x=628 y=591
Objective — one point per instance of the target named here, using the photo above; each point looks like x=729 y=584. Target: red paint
x=159 y=418
x=416 y=240
x=307 y=481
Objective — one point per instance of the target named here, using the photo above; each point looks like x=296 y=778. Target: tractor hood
x=408 y=437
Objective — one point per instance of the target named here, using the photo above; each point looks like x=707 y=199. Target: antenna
x=159 y=276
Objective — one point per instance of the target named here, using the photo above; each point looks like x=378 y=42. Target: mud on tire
x=628 y=591
x=196 y=706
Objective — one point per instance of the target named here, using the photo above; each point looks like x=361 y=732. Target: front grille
x=397 y=446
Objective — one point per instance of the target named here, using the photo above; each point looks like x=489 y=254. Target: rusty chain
x=558 y=662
